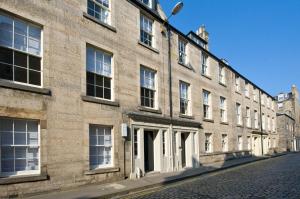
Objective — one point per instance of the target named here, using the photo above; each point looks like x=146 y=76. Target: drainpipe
x=261 y=129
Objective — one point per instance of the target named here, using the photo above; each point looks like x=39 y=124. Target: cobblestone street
x=273 y=178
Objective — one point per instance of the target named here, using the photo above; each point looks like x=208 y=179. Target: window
x=238 y=114
x=280 y=105
x=248 y=142
x=98 y=73
x=148 y=3
x=255 y=94
x=146 y=30
x=182 y=51
x=164 y=142
x=272 y=105
x=204 y=69
x=240 y=143
x=207 y=105
x=147 y=87
x=255 y=119
x=248 y=117
x=184 y=98
x=268 y=102
x=135 y=142
x=269 y=123
x=237 y=83
x=208 y=143
x=247 y=89
x=273 y=125
x=262 y=99
x=20 y=51
x=100 y=146
x=20 y=148
x=224 y=143
x=99 y=9
x=222 y=77
x=223 y=109
x=263 y=121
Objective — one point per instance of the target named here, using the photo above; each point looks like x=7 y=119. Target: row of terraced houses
x=98 y=90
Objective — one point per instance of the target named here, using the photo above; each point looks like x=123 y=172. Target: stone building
x=90 y=93
x=288 y=120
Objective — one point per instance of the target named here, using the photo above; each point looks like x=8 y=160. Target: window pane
x=34 y=78
x=90 y=60
x=6 y=138
x=20 y=138
x=20 y=27
x=34 y=63
x=32 y=126
x=106 y=82
x=7 y=165
x=107 y=94
x=6 y=27
x=7 y=153
x=20 y=152
x=93 y=160
x=20 y=59
x=100 y=140
x=90 y=78
x=6 y=55
x=32 y=153
x=99 y=80
x=6 y=125
x=32 y=138
x=20 y=164
x=99 y=92
x=32 y=164
x=20 y=42
x=90 y=90
x=20 y=125
x=34 y=46
x=6 y=71
x=20 y=74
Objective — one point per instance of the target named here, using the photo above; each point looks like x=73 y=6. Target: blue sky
x=259 y=38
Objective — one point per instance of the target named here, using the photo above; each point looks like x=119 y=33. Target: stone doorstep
x=125 y=187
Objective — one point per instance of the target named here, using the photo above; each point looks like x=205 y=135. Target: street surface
x=273 y=178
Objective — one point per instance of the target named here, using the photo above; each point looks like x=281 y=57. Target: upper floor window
x=223 y=109
x=255 y=119
x=273 y=125
x=204 y=65
x=255 y=94
x=149 y=3
x=99 y=9
x=248 y=117
x=19 y=146
x=237 y=83
x=238 y=114
x=207 y=113
x=269 y=123
x=222 y=77
x=263 y=121
x=184 y=98
x=147 y=87
x=20 y=51
x=98 y=73
x=247 y=89
x=100 y=146
x=268 y=102
x=146 y=30
x=182 y=51
x=262 y=99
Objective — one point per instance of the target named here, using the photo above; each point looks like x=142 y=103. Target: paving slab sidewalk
x=150 y=181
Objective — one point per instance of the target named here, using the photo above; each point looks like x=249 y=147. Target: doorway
x=149 y=137
x=183 y=149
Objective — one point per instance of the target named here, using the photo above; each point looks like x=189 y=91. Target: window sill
x=23 y=179
x=109 y=27
x=26 y=88
x=185 y=65
x=206 y=76
x=238 y=92
x=99 y=101
x=150 y=110
x=102 y=171
x=187 y=116
x=247 y=97
x=239 y=125
x=222 y=84
x=208 y=120
x=149 y=47
x=224 y=123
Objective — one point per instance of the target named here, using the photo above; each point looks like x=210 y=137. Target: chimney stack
x=201 y=32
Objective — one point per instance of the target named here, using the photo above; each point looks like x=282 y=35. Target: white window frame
x=249 y=142
x=237 y=83
x=147 y=30
x=223 y=109
x=239 y=114
x=248 y=117
x=208 y=143
x=224 y=142
x=207 y=104
x=255 y=94
x=38 y=145
x=256 y=119
x=149 y=4
x=95 y=167
x=149 y=83
x=247 y=89
x=263 y=121
x=240 y=143
x=204 y=64
x=182 y=54
x=185 y=97
x=222 y=75
x=269 y=123
x=103 y=8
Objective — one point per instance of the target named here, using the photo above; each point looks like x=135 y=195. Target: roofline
x=198 y=37
x=156 y=16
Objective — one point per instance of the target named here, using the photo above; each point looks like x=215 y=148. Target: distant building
x=288 y=120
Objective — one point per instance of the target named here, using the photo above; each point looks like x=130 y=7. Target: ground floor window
x=19 y=141
x=224 y=143
x=240 y=143
x=208 y=142
x=100 y=146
